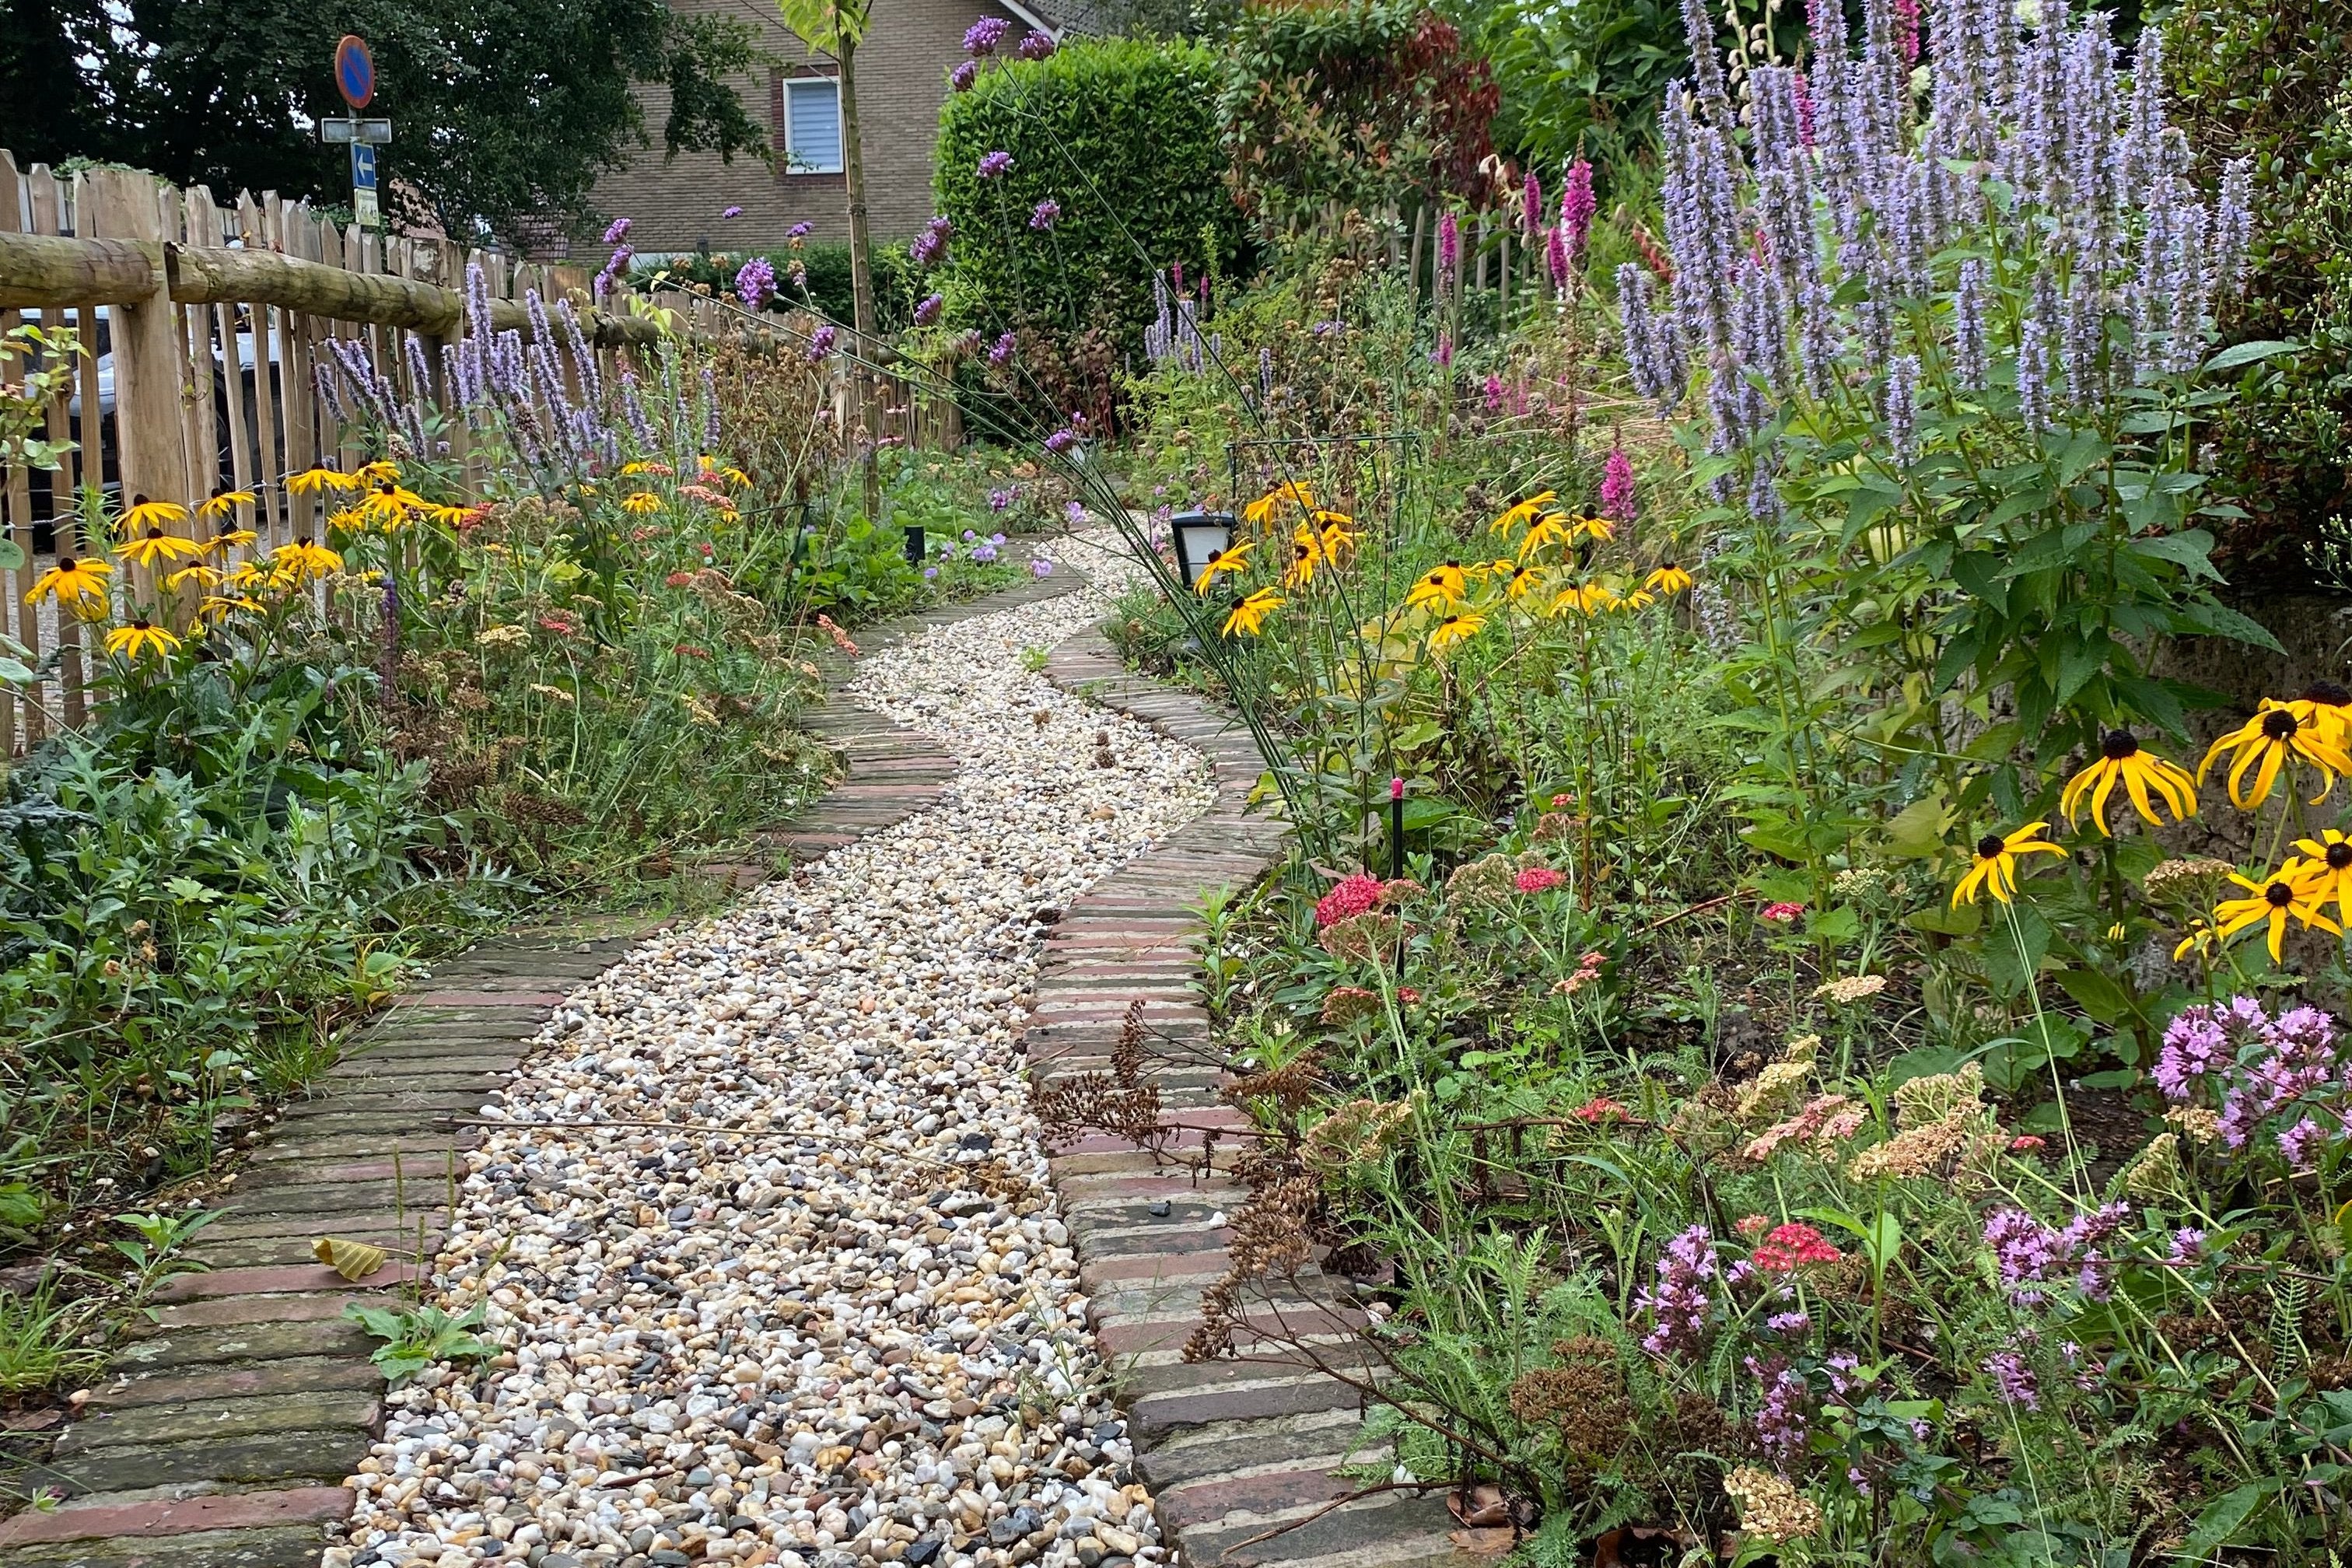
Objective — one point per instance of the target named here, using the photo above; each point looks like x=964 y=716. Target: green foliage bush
x=1123 y=134
x=822 y=285
x=2268 y=80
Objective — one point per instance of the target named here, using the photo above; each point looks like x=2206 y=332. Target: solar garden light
x=1200 y=537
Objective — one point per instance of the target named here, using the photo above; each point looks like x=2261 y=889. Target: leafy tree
x=504 y=112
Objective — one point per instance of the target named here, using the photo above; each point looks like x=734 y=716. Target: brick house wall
x=910 y=46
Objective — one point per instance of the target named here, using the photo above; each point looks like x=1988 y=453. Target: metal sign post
x=355 y=79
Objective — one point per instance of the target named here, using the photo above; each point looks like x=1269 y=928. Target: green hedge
x=898 y=283
x=1124 y=134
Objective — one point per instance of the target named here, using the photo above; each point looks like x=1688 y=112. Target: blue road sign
x=355 y=70
x=364 y=200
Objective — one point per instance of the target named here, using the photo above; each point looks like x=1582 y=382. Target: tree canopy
x=503 y=112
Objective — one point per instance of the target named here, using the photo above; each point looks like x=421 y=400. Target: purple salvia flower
x=928 y=310
x=420 y=369
x=322 y=380
x=1972 y=353
x=583 y=357
x=1706 y=65
x=2233 y=225
x=821 y=341
x=1264 y=372
x=633 y=409
x=981 y=39
x=994 y=166
x=2033 y=375
x=1046 y=215
x=1902 y=410
x=1817 y=339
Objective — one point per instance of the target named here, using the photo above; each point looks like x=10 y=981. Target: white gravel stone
x=834 y=1320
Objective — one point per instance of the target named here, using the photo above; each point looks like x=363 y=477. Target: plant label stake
x=1396 y=829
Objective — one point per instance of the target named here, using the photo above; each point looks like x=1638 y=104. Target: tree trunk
x=861 y=278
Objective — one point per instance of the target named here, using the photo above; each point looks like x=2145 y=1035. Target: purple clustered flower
x=926 y=309
x=1074 y=513
x=2187 y=1245
x=1035 y=45
x=1442 y=356
x=981 y=39
x=1679 y=1301
x=1902 y=411
x=930 y=573
x=1789 y=1323
x=1046 y=213
x=994 y=166
x=1039 y=566
x=2261 y=1068
x=1061 y=440
x=1000 y=353
x=983 y=552
x=2013 y=1379
x=755 y=283
x=930 y=247
x=1617 y=489
x=732 y=212
x=617 y=230
x=1555 y=259
x=799 y=230
x=1784 y=1425
x=1531 y=204
x=820 y=343
x=998 y=501
x=614 y=268
x=2031 y=1255
x=965 y=73
x=1577 y=206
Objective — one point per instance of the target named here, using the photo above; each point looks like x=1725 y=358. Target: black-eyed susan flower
x=1248 y=615
x=1306 y=554
x=2271 y=902
x=1995 y=870
x=387 y=505
x=382 y=471
x=139 y=636
x=2273 y=737
x=1337 y=533
x=2199 y=941
x=1445 y=586
x=1600 y=530
x=151 y=515
x=1455 y=628
x=1228 y=561
x=1551 y=528
x=2328 y=870
x=1517 y=581
x=1639 y=599
x=198 y=575
x=1518 y=517
x=319 y=481
x=1262 y=512
x=305 y=559
x=228 y=538
x=1667 y=579
x=76 y=586
x=2148 y=778
x=222 y=502
x=215 y=608
x=2328 y=703
x=157 y=548
x=1586 y=599
x=637 y=503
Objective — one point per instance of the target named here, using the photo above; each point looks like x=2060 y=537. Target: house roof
x=1055 y=16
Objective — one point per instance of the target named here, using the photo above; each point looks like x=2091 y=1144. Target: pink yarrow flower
x=1782 y=913
x=1539 y=879
x=1351 y=897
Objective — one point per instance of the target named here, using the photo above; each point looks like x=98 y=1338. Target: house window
x=812 y=126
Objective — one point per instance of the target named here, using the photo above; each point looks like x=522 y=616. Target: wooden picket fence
x=204 y=322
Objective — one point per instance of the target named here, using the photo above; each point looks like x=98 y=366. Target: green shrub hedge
x=898 y=283
x=1123 y=134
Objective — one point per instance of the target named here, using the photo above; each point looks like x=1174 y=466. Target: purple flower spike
x=1047 y=214
x=1617 y=489
x=981 y=39
x=799 y=230
x=1061 y=440
x=994 y=165
x=1001 y=351
x=1449 y=246
x=928 y=310
x=1577 y=206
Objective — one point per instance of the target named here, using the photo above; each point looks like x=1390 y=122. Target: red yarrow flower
x=1539 y=879
x=1407 y=996
x=688 y=650
x=560 y=626
x=1599 y=1108
x=1352 y=897
x=1791 y=1246
x=679 y=580
x=2027 y=1144
x=1783 y=913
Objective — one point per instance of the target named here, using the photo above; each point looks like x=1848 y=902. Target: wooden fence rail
x=204 y=324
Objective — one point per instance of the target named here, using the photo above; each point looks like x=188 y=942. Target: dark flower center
x=1670 y=566
x=138 y=626
x=2119 y=744
x=69 y=565
x=2280 y=725
x=1300 y=552
x=1988 y=847
x=303 y=542
x=2328 y=693
x=1454 y=566
x=2339 y=854
x=2278 y=895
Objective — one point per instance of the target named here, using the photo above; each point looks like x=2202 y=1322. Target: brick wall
x=901 y=82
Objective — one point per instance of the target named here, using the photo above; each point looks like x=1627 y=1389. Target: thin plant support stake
x=1396 y=829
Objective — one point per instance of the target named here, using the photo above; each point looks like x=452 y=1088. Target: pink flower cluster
x=2261 y=1068
x=1791 y=1246
x=2032 y=1255
x=1679 y=1301
x=1782 y=913
x=1353 y=895
x=1538 y=879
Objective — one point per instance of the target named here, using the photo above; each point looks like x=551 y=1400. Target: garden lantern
x=917 y=544
x=1199 y=535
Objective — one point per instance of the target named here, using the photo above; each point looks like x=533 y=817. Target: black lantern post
x=1200 y=536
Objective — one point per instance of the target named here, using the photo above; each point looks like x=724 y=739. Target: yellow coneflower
x=2275 y=736
x=448 y=516
x=2327 y=874
x=1598 y=529
x=382 y=471
x=1249 y=614
x=224 y=502
x=1445 y=586
x=2148 y=778
x=2328 y=704
x=1306 y=554
x=76 y=586
x=2199 y=941
x=1295 y=492
x=303 y=560
x=1551 y=528
x=1639 y=599
x=2271 y=903
x=639 y=502
x=1667 y=579
x=319 y=481
x=216 y=607
x=199 y=576
x=156 y=547
x=1586 y=599
x=347 y=520
x=139 y=637
x=229 y=536
x=1228 y=561
x=151 y=514
x=387 y=505
x=1525 y=512
x=1455 y=628
x=1519 y=581
x=1339 y=535
x=1995 y=872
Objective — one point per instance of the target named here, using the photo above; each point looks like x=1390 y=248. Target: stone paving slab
x=1233 y=1450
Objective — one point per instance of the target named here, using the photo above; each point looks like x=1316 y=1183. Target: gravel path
x=848 y=1331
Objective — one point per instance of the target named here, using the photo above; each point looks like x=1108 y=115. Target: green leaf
x=11 y=554
x=2096 y=995
x=1917 y=830
x=2191 y=548
x=2238 y=354
x=2226 y=1514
